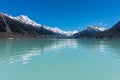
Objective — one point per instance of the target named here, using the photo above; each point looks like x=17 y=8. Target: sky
x=65 y=14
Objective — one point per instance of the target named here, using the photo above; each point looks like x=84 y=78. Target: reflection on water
x=23 y=50
x=18 y=50
x=59 y=59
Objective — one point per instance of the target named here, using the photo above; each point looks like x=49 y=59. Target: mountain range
x=23 y=27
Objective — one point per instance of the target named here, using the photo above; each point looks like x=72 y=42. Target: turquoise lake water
x=59 y=59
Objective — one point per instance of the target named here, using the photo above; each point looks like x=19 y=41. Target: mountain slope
x=13 y=27
x=89 y=32
x=25 y=19
x=24 y=26
x=113 y=32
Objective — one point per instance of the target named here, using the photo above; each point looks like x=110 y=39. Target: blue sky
x=65 y=14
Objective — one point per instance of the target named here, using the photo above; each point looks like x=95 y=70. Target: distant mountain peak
x=95 y=27
x=25 y=19
x=90 y=31
x=57 y=30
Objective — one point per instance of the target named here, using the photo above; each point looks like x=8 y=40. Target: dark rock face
x=13 y=28
x=115 y=28
x=113 y=32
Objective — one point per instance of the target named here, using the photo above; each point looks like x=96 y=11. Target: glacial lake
x=59 y=59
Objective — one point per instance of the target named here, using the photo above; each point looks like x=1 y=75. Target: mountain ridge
x=25 y=19
x=22 y=26
x=19 y=29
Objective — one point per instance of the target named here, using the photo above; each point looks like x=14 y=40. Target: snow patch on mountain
x=25 y=19
x=95 y=28
x=22 y=18
x=2 y=14
x=59 y=31
x=101 y=28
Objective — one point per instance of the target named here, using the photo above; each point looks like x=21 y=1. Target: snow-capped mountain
x=25 y=19
x=95 y=28
x=59 y=31
x=25 y=26
x=90 y=31
x=31 y=26
x=22 y=18
x=22 y=27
